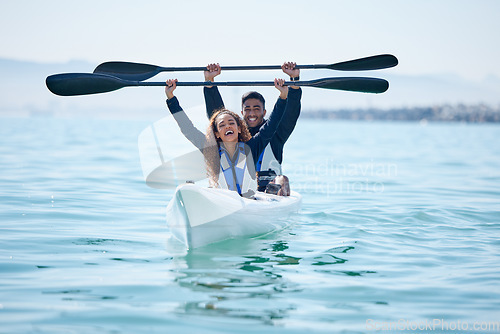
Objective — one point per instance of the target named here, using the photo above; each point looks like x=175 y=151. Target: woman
x=228 y=147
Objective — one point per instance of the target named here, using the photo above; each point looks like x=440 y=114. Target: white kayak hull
x=198 y=216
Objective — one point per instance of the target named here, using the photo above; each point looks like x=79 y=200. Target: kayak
x=198 y=216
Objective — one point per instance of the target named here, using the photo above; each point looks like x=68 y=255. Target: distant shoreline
x=480 y=113
x=461 y=113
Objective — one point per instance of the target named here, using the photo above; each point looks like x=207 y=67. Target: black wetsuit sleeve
x=213 y=100
x=288 y=123
x=194 y=135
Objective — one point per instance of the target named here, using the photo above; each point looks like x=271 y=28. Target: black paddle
x=139 y=72
x=70 y=84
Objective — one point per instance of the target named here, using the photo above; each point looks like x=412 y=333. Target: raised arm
x=288 y=123
x=194 y=135
x=267 y=131
x=213 y=99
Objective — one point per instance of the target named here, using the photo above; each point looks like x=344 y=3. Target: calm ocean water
x=399 y=229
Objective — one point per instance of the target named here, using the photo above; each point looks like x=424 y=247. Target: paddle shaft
x=368 y=85
x=240 y=68
x=221 y=83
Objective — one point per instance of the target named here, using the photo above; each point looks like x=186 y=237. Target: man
x=253 y=111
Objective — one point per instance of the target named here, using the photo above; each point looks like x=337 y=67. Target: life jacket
x=267 y=161
x=267 y=167
x=237 y=175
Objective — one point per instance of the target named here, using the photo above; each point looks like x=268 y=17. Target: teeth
x=230 y=132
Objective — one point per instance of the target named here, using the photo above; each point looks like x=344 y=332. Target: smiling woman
x=231 y=156
x=228 y=127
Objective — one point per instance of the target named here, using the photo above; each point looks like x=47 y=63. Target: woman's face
x=227 y=128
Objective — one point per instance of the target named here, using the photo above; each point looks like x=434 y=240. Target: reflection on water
x=232 y=283
x=239 y=285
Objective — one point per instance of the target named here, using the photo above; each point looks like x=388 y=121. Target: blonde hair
x=211 y=150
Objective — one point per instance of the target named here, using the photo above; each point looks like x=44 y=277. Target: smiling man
x=253 y=109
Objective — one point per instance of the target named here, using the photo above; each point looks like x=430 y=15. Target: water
x=399 y=229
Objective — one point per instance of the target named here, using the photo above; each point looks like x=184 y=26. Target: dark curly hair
x=253 y=95
x=211 y=151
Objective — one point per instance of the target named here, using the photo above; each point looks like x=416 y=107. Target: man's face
x=253 y=112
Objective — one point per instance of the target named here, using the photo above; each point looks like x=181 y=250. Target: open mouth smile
x=229 y=132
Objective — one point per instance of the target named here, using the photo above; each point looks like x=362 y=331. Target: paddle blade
x=363 y=85
x=127 y=70
x=71 y=84
x=366 y=64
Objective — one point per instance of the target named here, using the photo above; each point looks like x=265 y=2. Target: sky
x=429 y=37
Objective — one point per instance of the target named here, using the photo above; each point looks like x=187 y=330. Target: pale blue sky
x=428 y=36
